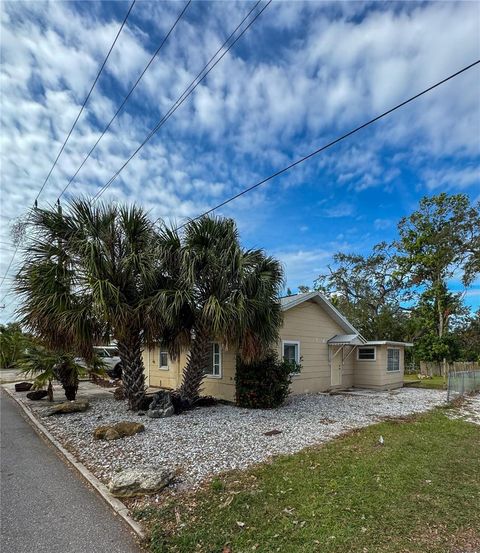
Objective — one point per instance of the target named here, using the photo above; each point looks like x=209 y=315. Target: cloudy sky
x=300 y=76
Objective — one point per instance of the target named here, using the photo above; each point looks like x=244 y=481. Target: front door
x=336 y=368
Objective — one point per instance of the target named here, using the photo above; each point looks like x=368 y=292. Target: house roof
x=388 y=343
x=288 y=302
x=346 y=339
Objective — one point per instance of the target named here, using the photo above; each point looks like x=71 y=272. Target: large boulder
x=132 y=482
x=37 y=394
x=116 y=431
x=161 y=405
x=77 y=406
x=23 y=386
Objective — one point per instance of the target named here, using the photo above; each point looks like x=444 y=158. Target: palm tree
x=13 y=343
x=48 y=365
x=88 y=276
x=220 y=292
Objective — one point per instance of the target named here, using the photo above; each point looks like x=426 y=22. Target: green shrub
x=263 y=383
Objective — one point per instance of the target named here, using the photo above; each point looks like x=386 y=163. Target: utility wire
x=332 y=143
x=73 y=126
x=72 y=178
x=193 y=85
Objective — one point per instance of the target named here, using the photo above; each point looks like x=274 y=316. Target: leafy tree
x=13 y=343
x=436 y=241
x=221 y=293
x=88 y=275
x=369 y=291
x=468 y=337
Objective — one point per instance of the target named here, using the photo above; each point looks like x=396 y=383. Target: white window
x=214 y=362
x=393 y=359
x=163 y=360
x=366 y=354
x=291 y=351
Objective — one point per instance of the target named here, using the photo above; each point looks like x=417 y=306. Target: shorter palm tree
x=47 y=365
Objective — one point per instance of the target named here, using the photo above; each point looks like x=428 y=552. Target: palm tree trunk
x=133 y=375
x=197 y=361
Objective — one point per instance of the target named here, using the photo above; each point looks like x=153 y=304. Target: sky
x=302 y=74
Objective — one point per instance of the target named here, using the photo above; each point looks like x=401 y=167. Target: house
x=315 y=334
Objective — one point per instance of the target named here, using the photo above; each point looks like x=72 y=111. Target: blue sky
x=303 y=74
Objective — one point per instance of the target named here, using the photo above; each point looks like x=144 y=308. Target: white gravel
x=210 y=440
x=468 y=411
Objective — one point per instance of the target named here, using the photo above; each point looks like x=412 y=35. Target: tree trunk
x=197 y=360
x=68 y=378
x=133 y=375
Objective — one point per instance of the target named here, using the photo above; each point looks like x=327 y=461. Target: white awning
x=346 y=340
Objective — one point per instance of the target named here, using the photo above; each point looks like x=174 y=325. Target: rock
x=119 y=393
x=77 y=406
x=116 y=431
x=205 y=401
x=145 y=403
x=37 y=394
x=273 y=432
x=180 y=404
x=161 y=406
x=23 y=386
x=132 y=482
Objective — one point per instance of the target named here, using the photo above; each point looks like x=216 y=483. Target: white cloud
x=265 y=104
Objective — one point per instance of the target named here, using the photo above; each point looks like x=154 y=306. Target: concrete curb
x=117 y=506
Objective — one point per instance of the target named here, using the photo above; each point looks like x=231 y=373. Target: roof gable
x=288 y=302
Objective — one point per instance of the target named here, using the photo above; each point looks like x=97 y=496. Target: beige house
x=329 y=349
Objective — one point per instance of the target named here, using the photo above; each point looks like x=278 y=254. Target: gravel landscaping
x=210 y=440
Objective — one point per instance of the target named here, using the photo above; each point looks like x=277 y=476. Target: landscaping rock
x=23 y=386
x=77 y=406
x=37 y=395
x=134 y=482
x=161 y=406
x=116 y=431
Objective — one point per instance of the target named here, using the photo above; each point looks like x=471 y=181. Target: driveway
x=45 y=506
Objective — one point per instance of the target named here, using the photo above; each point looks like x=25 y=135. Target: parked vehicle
x=111 y=359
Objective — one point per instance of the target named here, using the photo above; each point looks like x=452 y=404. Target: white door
x=336 y=368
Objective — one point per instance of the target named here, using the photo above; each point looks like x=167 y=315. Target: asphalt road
x=45 y=505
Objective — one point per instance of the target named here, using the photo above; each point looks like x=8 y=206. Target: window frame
x=160 y=366
x=292 y=343
x=220 y=355
x=367 y=360
x=398 y=360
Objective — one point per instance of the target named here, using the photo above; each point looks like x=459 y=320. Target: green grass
x=435 y=383
x=419 y=492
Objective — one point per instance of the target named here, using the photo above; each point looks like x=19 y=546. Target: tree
x=13 y=343
x=221 y=293
x=438 y=240
x=369 y=291
x=47 y=366
x=88 y=276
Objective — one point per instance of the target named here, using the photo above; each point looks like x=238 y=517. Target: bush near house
x=264 y=383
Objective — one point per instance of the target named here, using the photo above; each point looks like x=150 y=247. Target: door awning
x=346 y=340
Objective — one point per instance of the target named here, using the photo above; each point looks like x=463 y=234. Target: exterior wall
x=308 y=324
x=222 y=387
x=312 y=327
x=374 y=374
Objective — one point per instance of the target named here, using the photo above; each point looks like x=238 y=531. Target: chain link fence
x=461 y=383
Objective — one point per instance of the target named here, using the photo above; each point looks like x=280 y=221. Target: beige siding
x=223 y=387
x=374 y=374
x=312 y=327
x=308 y=324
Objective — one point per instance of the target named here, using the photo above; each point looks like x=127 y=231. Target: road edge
x=118 y=507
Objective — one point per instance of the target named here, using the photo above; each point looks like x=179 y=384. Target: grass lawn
x=436 y=382
x=419 y=492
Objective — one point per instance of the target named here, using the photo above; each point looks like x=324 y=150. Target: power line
x=332 y=143
x=187 y=92
x=87 y=98
x=72 y=178
x=73 y=126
